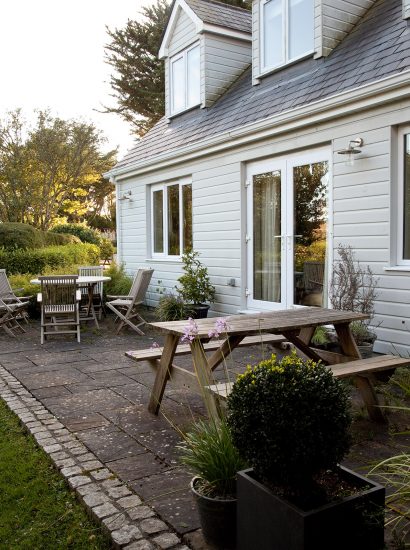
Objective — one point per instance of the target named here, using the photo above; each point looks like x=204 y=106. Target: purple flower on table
x=190 y=331
x=154 y=345
x=220 y=326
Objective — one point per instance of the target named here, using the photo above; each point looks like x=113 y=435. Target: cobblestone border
x=131 y=524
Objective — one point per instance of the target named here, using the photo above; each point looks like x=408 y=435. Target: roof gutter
x=380 y=92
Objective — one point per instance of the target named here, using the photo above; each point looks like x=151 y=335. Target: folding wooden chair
x=7 y=294
x=60 y=300
x=8 y=317
x=93 y=271
x=125 y=307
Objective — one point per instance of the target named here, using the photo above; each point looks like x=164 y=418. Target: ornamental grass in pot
x=209 y=453
x=290 y=420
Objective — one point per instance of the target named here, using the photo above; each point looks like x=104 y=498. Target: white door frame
x=285 y=164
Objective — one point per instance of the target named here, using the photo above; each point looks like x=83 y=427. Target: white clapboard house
x=286 y=133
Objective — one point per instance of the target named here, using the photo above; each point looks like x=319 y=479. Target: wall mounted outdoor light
x=351 y=150
x=126 y=196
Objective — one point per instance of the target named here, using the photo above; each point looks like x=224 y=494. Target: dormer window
x=287 y=31
x=185 y=80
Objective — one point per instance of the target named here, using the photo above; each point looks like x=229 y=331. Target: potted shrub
x=353 y=288
x=195 y=287
x=208 y=451
x=296 y=496
x=364 y=338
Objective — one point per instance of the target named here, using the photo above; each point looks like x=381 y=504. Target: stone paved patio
x=101 y=396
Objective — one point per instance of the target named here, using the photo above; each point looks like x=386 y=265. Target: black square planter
x=267 y=522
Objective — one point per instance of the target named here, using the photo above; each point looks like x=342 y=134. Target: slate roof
x=222 y=15
x=377 y=47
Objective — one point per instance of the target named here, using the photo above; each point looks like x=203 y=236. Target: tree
x=50 y=169
x=138 y=79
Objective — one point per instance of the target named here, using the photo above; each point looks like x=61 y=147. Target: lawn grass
x=37 y=509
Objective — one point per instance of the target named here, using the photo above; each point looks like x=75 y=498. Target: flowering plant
x=289 y=419
x=195 y=284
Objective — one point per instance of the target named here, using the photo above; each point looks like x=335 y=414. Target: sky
x=52 y=56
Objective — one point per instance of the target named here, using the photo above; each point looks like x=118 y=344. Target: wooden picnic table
x=296 y=326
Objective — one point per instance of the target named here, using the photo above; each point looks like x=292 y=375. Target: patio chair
x=125 y=307
x=8 y=317
x=7 y=294
x=59 y=298
x=90 y=271
x=313 y=275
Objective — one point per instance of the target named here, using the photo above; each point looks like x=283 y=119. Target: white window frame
x=163 y=187
x=285 y=39
x=182 y=55
x=405 y=130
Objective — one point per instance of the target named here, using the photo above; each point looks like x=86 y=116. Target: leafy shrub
x=195 y=286
x=38 y=260
x=106 y=249
x=209 y=452
x=120 y=283
x=315 y=252
x=25 y=236
x=80 y=230
x=171 y=308
x=300 y=424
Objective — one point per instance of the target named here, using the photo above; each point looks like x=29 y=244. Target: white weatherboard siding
x=224 y=60
x=361 y=210
x=338 y=17
x=183 y=35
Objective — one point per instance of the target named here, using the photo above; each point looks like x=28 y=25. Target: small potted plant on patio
x=195 y=286
x=209 y=452
x=290 y=420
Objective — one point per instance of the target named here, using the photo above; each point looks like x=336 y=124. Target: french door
x=288 y=231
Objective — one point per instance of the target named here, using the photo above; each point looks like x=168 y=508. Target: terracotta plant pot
x=218 y=519
x=266 y=521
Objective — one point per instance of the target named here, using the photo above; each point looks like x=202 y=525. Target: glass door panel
x=267 y=256
x=310 y=220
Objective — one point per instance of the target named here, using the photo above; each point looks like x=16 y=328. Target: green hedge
x=39 y=260
x=83 y=232
x=21 y=235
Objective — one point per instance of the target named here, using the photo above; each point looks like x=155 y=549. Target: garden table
x=296 y=325
x=88 y=281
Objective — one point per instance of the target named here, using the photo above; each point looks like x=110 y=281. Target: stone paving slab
x=90 y=412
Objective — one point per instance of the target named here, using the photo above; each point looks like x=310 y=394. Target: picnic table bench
x=276 y=327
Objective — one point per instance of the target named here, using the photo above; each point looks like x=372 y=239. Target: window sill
x=176 y=260
x=170 y=115
x=267 y=72
x=405 y=268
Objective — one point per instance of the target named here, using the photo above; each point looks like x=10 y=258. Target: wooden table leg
x=224 y=351
x=165 y=366
x=363 y=384
x=204 y=376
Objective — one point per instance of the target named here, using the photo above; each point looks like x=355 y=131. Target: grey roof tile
x=379 y=46
x=222 y=15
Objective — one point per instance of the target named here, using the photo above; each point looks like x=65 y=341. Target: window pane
x=158 y=214
x=266 y=237
x=301 y=26
x=406 y=236
x=194 y=93
x=173 y=220
x=178 y=84
x=310 y=184
x=187 y=220
x=272 y=33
